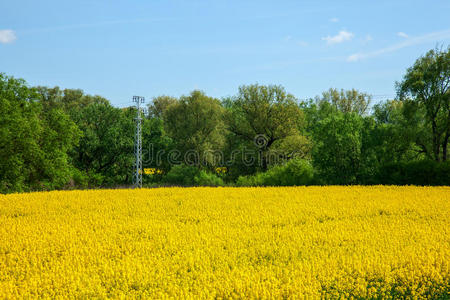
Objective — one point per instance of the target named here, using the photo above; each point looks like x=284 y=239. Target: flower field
x=299 y=242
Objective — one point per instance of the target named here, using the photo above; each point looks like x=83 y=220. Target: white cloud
x=426 y=38
x=355 y=57
x=342 y=36
x=368 y=38
x=7 y=36
x=402 y=34
x=302 y=43
x=334 y=20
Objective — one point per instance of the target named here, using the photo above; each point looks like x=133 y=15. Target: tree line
x=56 y=139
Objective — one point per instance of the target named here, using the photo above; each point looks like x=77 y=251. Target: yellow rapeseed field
x=300 y=242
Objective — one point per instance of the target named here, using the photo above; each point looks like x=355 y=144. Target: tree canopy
x=52 y=138
x=427 y=85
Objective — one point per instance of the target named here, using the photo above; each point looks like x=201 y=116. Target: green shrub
x=79 y=179
x=181 y=175
x=247 y=181
x=424 y=172
x=295 y=172
x=189 y=176
x=208 y=179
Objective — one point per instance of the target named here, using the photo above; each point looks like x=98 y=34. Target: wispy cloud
x=158 y=20
x=368 y=38
x=426 y=38
x=342 y=36
x=402 y=34
x=290 y=39
x=334 y=20
x=7 y=36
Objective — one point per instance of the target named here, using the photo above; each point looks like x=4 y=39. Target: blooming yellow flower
x=292 y=242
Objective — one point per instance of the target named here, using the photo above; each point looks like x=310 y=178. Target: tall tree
x=70 y=101
x=195 y=125
x=426 y=84
x=348 y=101
x=157 y=145
x=338 y=147
x=399 y=133
x=34 y=140
x=263 y=115
x=105 y=152
x=159 y=105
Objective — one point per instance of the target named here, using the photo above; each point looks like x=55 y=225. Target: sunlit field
x=227 y=242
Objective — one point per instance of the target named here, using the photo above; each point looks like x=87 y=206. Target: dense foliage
x=54 y=139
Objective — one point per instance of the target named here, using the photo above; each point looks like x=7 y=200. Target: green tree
x=348 y=101
x=69 y=100
x=34 y=140
x=105 y=152
x=156 y=147
x=263 y=115
x=294 y=146
x=159 y=105
x=400 y=132
x=426 y=84
x=195 y=125
x=337 y=153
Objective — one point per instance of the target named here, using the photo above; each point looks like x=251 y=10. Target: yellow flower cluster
x=152 y=171
x=299 y=242
x=221 y=170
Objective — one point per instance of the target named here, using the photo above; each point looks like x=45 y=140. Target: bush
x=249 y=180
x=189 y=176
x=181 y=175
x=294 y=172
x=208 y=179
x=425 y=172
x=79 y=179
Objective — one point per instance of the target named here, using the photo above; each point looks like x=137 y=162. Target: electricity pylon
x=137 y=176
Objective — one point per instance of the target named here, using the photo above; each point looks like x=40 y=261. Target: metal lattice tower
x=137 y=176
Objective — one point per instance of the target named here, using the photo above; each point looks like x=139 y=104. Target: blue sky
x=118 y=49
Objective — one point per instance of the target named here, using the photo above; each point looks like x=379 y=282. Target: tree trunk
x=446 y=138
x=436 y=144
x=263 y=153
x=262 y=156
x=444 y=145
